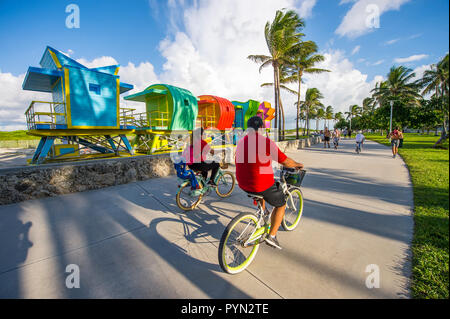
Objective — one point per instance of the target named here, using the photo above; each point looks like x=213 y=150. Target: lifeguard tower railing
x=46 y=115
x=154 y=120
x=52 y=115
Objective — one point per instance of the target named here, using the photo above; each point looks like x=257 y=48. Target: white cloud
x=411 y=58
x=98 y=62
x=419 y=71
x=360 y=19
x=306 y=7
x=356 y=49
x=390 y=42
x=378 y=62
x=14 y=101
x=344 y=85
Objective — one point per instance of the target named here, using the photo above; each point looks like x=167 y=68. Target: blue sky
x=185 y=42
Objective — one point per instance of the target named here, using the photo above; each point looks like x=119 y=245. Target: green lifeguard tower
x=170 y=111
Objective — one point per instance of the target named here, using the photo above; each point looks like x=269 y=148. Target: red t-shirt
x=196 y=154
x=254 y=156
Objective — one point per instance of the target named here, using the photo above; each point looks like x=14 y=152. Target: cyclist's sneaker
x=273 y=242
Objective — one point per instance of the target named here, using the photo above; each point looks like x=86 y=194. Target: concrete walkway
x=132 y=241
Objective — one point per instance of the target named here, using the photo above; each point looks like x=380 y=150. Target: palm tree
x=320 y=114
x=436 y=80
x=398 y=88
x=368 y=109
x=337 y=117
x=329 y=114
x=353 y=111
x=303 y=59
x=284 y=79
x=282 y=35
x=312 y=101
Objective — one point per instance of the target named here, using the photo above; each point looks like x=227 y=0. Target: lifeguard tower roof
x=52 y=62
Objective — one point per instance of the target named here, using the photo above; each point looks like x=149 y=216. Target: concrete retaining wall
x=29 y=182
x=24 y=183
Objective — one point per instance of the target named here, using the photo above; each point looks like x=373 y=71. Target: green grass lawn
x=429 y=172
x=16 y=135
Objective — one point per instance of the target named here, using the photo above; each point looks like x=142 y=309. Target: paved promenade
x=132 y=241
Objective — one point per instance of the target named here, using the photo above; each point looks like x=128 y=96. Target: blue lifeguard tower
x=84 y=112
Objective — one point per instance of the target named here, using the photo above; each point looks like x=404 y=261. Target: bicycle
x=193 y=187
x=240 y=240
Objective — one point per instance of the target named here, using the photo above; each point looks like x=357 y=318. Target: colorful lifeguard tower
x=84 y=112
x=216 y=116
x=244 y=111
x=267 y=113
x=169 y=110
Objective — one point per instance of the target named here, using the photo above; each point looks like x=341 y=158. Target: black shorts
x=273 y=195
x=327 y=138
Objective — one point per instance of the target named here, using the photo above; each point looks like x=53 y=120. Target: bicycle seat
x=255 y=197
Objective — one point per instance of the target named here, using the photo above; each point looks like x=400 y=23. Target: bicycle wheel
x=294 y=209
x=185 y=199
x=225 y=184
x=234 y=255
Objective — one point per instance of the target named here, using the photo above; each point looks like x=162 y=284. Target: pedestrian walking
x=395 y=141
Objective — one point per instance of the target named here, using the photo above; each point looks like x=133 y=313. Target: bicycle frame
x=203 y=182
x=261 y=228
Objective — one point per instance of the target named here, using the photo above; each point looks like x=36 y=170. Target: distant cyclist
x=360 y=138
x=254 y=173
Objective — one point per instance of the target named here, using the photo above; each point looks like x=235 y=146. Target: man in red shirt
x=254 y=173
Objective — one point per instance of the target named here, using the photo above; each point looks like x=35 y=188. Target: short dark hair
x=255 y=122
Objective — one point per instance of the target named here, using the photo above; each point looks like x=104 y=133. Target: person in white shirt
x=360 y=138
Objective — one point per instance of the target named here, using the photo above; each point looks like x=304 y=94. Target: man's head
x=255 y=122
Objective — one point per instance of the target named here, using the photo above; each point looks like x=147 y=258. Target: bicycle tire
x=180 y=203
x=292 y=218
x=221 y=178
x=226 y=247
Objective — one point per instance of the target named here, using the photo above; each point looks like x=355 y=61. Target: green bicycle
x=240 y=240
x=189 y=198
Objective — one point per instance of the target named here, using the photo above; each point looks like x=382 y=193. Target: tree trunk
x=444 y=134
x=275 y=94
x=282 y=117
x=307 y=120
x=298 y=103
x=281 y=122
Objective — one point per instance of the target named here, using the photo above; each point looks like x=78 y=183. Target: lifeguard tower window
x=95 y=88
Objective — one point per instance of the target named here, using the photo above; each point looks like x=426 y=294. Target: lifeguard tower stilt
x=84 y=116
